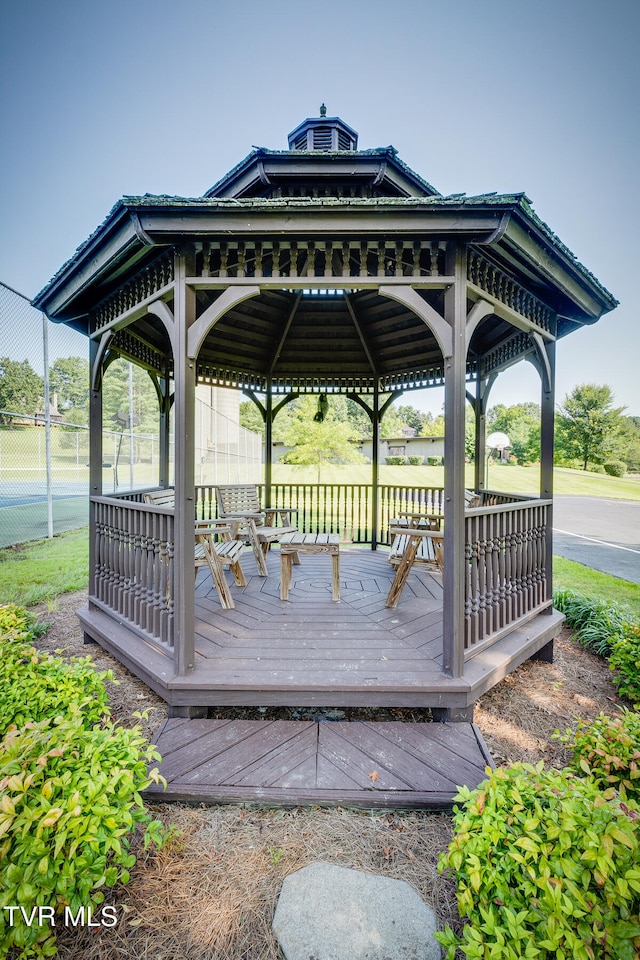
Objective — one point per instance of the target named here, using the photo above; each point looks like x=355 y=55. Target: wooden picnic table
x=292 y=544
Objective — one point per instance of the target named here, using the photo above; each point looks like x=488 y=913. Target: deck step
x=293 y=762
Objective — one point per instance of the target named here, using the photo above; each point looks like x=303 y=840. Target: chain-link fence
x=44 y=437
x=43 y=473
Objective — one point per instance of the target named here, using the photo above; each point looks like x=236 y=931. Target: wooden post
x=454 y=413
x=375 y=467
x=95 y=452
x=479 y=451
x=165 y=410
x=268 y=444
x=546 y=456
x=184 y=535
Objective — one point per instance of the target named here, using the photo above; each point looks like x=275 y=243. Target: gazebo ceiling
x=341 y=339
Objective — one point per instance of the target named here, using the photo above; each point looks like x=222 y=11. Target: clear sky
x=105 y=98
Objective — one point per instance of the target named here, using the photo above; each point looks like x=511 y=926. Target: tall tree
x=21 y=388
x=317 y=441
x=69 y=378
x=588 y=424
x=521 y=423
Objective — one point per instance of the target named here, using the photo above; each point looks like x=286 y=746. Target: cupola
x=323 y=133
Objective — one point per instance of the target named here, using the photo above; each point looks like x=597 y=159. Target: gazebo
x=329 y=269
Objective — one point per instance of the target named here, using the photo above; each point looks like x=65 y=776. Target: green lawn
x=38 y=572
x=510 y=479
x=568 y=575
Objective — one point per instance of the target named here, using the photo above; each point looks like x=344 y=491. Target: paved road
x=603 y=534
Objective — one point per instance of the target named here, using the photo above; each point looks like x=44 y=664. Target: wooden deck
x=290 y=762
x=311 y=651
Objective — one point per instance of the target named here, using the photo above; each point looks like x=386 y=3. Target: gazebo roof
x=367 y=202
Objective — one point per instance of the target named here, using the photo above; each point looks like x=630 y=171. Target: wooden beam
x=96 y=352
x=285 y=331
x=506 y=313
x=365 y=345
x=185 y=385
x=547 y=412
x=135 y=313
x=478 y=312
x=411 y=298
x=227 y=299
x=319 y=283
x=454 y=520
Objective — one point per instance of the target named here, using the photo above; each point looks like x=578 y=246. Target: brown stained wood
x=311 y=651
x=300 y=761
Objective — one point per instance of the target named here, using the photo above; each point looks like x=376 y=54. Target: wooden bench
x=417 y=539
x=291 y=544
x=215 y=546
x=240 y=503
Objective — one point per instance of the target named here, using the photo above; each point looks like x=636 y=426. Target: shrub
x=17 y=624
x=434 y=461
x=598 y=624
x=68 y=798
x=416 y=461
x=608 y=750
x=548 y=866
x=596 y=468
x=395 y=461
x=34 y=685
x=615 y=468
x=625 y=660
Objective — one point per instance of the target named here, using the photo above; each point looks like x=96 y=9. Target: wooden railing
x=343 y=508
x=505 y=555
x=504 y=564
x=133 y=572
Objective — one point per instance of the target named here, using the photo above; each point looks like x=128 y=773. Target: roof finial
x=323 y=110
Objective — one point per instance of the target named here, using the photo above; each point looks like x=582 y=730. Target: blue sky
x=104 y=99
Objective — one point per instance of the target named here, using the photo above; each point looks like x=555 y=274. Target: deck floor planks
x=371 y=742
x=304 y=761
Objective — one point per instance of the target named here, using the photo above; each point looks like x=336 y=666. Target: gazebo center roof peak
x=322 y=159
x=323 y=133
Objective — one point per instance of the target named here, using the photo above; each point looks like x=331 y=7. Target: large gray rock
x=327 y=912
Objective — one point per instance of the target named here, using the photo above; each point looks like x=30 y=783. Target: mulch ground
x=211 y=892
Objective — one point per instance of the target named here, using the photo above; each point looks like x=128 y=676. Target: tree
x=250 y=417
x=316 y=442
x=21 y=388
x=521 y=423
x=69 y=378
x=588 y=425
x=115 y=398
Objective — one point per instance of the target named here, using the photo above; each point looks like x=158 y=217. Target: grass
x=568 y=575
x=38 y=572
x=510 y=479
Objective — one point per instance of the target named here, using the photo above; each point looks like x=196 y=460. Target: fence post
x=47 y=425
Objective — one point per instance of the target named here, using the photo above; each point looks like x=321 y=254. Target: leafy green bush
x=69 y=796
x=34 y=685
x=416 y=461
x=598 y=623
x=608 y=750
x=395 y=461
x=547 y=866
x=596 y=468
x=434 y=461
x=17 y=624
x=615 y=468
x=625 y=660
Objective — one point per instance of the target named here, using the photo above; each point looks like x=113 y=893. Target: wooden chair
x=417 y=539
x=215 y=545
x=240 y=502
